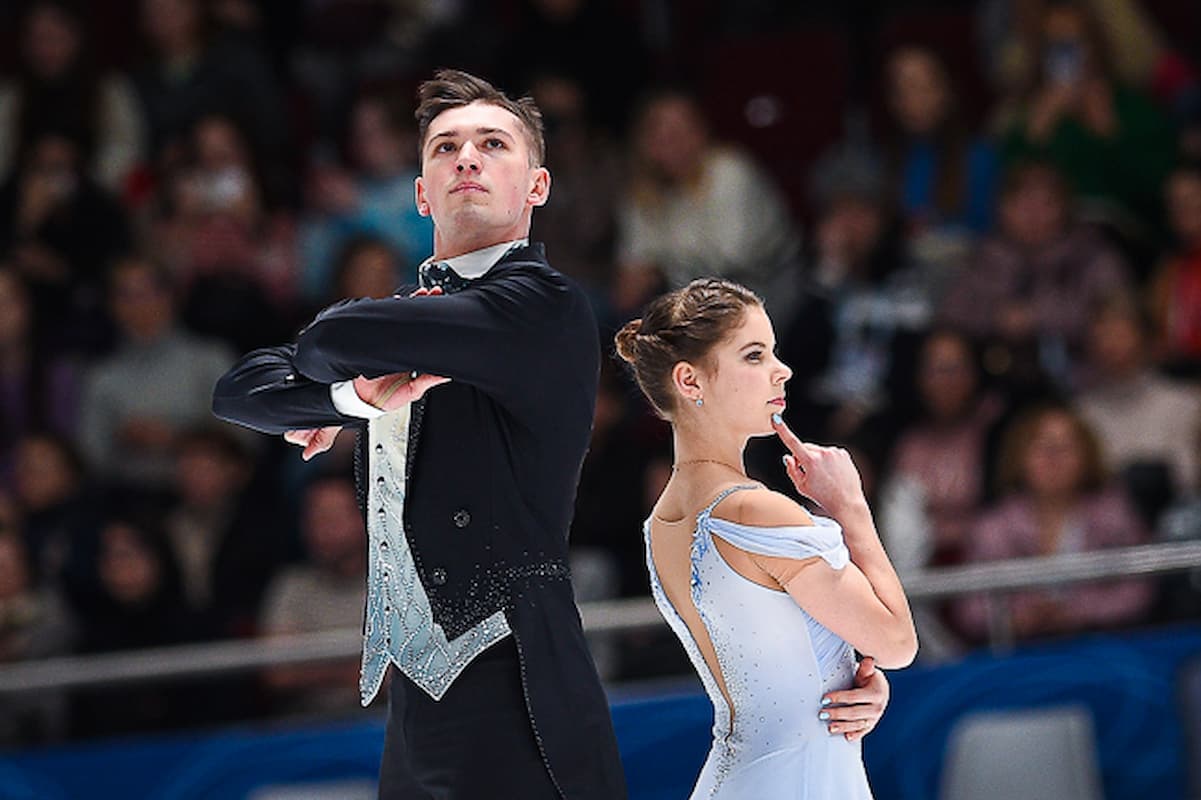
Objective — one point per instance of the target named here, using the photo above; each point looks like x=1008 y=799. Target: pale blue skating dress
x=777 y=662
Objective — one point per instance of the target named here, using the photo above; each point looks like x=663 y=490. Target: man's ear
x=540 y=191
x=423 y=206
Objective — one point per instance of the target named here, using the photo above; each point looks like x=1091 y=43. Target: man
x=468 y=493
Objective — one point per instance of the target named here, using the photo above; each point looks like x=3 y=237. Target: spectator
x=1181 y=594
x=34 y=623
x=366 y=267
x=233 y=258
x=194 y=72
x=1110 y=140
x=695 y=207
x=579 y=227
x=37 y=391
x=373 y=196
x=136 y=603
x=51 y=490
x=325 y=593
x=1176 y=290
x=155 y=384
x=58 y=87
x=863 y=311
x=1147 y=424
x=937 y=479
x=1055 y=500
x=59 y=229
x=943 y=177
x=223 y=530
x=1031 y=286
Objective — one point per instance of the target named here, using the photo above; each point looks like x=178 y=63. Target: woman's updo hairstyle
x=682 y=325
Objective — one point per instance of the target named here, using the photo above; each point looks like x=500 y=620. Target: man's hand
x=390 y=392
x=313 y=440
x=855 y=712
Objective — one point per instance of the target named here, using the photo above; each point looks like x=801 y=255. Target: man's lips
x=468 y=187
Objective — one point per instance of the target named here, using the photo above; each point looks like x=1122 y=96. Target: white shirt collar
x=474 y=264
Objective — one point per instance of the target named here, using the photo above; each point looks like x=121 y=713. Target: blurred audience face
x=206 y=475
x=129 y=569
x=946 y=378
x=1116 y=342
x=141 y=304
x=51 y=41
x=918 y=92
x=1054 y=460
x=1034 y=209
x=46 y=474
x=1184 y=206
x=171 y=26
x=377 y=147
x=672 y=138
x=222 y=179
x=333 y=526
x=1067 y=51
x=370 y=271
x=14 y=311
x=850 y=229
x=14 y=569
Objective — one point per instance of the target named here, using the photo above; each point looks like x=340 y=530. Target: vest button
x=462 y=518
x=438 y=576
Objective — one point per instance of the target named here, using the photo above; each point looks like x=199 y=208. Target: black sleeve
x=265 y=392
x=494 y=336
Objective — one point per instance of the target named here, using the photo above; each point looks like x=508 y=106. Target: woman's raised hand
x=826 y=475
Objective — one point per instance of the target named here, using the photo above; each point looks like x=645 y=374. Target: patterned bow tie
x=439 y=273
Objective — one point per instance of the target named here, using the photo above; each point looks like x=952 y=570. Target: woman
x=769 y=602
x=1056 y=500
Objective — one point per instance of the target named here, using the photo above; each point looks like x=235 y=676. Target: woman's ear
x=686 y=382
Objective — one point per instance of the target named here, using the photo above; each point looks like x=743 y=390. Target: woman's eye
x=755 y=356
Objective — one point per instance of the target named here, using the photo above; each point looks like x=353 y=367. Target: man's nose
x=469 y=158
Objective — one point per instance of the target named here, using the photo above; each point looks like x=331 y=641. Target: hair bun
x=627 y=341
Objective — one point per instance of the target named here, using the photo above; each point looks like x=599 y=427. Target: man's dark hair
x=451 y=88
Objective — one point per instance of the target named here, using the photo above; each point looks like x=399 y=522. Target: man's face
x=477 y=181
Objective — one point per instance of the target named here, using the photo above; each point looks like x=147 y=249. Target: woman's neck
x=695 y=445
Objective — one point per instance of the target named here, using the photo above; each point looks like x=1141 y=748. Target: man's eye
x=444 y=147
x=495 y=144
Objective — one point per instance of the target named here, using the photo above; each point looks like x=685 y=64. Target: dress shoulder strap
x=723 y=494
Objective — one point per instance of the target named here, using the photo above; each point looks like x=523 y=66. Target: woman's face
x=743 y=382
x=918 y=93
x=1054 y=457
x=945 y=377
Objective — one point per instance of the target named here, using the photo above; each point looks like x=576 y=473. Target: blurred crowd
x=977 y=230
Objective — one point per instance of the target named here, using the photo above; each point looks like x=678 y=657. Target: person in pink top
x=1055 y=499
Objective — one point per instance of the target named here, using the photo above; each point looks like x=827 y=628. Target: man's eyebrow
x=482 y=131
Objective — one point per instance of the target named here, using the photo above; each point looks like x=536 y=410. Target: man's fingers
x=299 y=437
x=323 y=439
